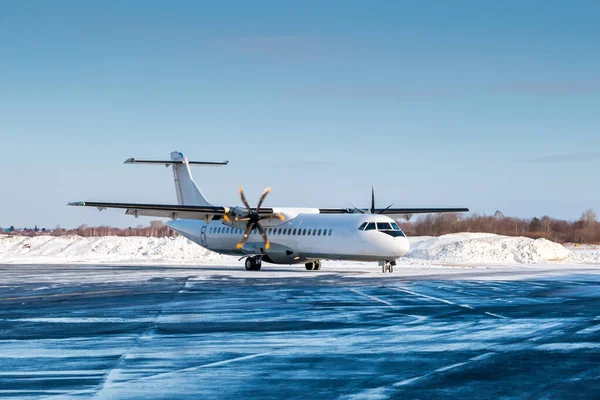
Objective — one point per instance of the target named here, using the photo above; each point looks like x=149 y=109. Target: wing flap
x=172 y=211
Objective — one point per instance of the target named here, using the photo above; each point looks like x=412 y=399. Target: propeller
x=372 y=209
x=253 y=218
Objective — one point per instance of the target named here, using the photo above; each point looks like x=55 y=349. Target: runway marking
x=372 y=297
x=495 y=315
x=425 y=296
x=444 y=369
x=189 y=369
x=444 y=301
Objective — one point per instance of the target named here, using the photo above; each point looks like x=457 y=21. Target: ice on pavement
x=465 y=248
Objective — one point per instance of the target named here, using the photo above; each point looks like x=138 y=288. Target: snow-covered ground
x=461 y=249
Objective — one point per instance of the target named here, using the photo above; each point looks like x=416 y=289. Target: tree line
x=585 y=230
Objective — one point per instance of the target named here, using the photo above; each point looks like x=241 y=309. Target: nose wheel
x=388 y=266
x=253 y=264
x=313 y=266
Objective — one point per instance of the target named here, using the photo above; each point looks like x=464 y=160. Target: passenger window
x=294 y=232
x=384 y=226
x=303 y=232
x=319 y=233
x=362 y=226
x=308 y=232
x=370 y=226
x=330 y=232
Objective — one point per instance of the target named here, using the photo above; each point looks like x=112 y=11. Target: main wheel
x=317 y=266
x=309 y=266
x=249 y=264
x=257 y=265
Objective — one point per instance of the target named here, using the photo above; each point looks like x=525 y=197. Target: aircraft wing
x=393 y=211
x=172 y=211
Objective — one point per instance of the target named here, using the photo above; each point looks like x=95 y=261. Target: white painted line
x=443 y=369
x=452 y=366
x=372 y=297
x=496 y=315
x=213 y=364
x=444 y=301
x=425 y=296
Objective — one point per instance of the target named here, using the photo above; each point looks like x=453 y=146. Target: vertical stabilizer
x=187 y=191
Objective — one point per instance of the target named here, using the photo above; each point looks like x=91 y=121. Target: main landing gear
x=253 y=263
x=313 y=266
x=388 y=266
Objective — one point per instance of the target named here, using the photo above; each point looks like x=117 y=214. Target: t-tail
x=187 y=191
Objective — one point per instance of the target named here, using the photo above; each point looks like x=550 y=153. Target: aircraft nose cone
x=403 y=246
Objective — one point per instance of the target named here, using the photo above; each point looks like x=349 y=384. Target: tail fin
x=187 y=191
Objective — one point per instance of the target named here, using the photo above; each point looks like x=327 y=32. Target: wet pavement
x=182 y=334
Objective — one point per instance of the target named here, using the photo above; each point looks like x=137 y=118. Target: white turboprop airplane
x=278 y=235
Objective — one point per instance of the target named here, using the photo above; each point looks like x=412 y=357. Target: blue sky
x=490 y=105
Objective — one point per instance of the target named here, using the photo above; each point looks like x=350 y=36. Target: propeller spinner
x=253 y=218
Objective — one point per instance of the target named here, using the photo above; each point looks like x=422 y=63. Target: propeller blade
x=385 y=209
x=357 y=209
x=249 y=227
x=244 y=199
x=264 y=235
x=372 y=200
x=262 y=197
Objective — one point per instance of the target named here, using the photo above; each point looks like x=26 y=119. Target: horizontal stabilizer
x=169 y=162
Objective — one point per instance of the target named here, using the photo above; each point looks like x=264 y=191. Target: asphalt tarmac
x=123 y=332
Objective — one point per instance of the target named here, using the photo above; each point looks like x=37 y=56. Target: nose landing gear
x=313 y=266
x=388 y=266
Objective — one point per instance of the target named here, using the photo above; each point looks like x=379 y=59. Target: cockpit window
x=395 y=226
x=370 y=226
x=362 y=226
x=384 y=226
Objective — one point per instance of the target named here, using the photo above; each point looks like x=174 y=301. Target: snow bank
x=488 y=248
x=464 y=248
x=77 y=249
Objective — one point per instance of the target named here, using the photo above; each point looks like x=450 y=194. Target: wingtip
x=76 y=203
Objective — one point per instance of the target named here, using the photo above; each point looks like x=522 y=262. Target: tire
x=317 y=266
x=257 y=266
x=309 y=266
x=249 y=264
